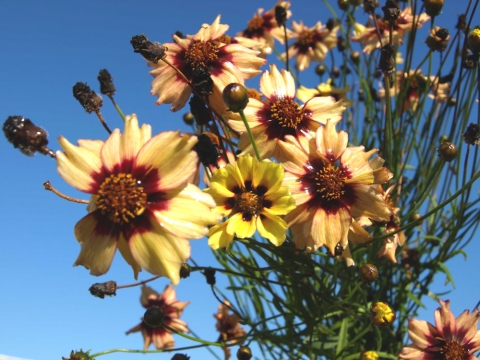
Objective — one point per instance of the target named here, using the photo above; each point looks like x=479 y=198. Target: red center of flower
x=286 y=112
x=453 y=350
x=121 y=198
x=330 y=182
x=255 y=23
x=249 y=204
x=306 y=38
x=200 y=53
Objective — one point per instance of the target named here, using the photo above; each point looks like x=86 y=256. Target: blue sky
x=47 y=46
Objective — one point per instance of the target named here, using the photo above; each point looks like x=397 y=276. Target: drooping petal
x=272 y=227
x=218 y=237
x=330 y=229
x=127 y=255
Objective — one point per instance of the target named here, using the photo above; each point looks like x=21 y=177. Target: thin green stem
x=117 y=107
x=250 y=135
x=388 y=143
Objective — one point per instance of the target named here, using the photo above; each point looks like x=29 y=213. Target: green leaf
x=444 y=269
x=342 y=336
x=415 y=299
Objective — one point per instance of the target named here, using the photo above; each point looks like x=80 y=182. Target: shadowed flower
x=141 y=202
x=171 y=308
x=325 y=89
x=251 y=195
x=226 y=63
x=280 y=115
x=263 y=28
x=311 y=44
x=450 y=338
x=228 y=325
x=331 y=184
x=368 y=37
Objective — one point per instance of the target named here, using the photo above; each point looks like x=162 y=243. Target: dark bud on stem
x=235 y=96
x=462 y=22
x=391 y=10
x=210 y=275
x=387 y=59
x=370 y=5
x=199 y=110
x=368 y=273
x=335 y=72
x=188 y=118
x=153 y=317
x=202 y=81
x=343 y=4
x=447 y=151
x=280 y=15
x=470 y=62
x=355 y=57
x=207 y=149
x=472 y=135
x=331 y=23
x=101 y=289
x=78 y=355
x=24 y=135
x=433 y=7
x=89 y=99
x=106 y=83
x=320 y=70
x=180 y=357
x=150 y=50
x=244 y=353
x=341 y=43
x=339 y=250
x=185 y=271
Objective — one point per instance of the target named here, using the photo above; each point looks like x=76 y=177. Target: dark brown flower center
x=255 y=23
x=286 y=112
x=306 y=38
x=249 y=204
x=453 y=350
x=330 y=182
x=121 y=198
x=200 y=53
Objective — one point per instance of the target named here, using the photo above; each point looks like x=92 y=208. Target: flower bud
x=381 y=314
x=320 y=70
x=106 y=83
x=102 y=289
x=235 y=96
x=343 y=4
x=188 y=118
x=368 y=273
x=447 y=151
x=355 y=57
x=151 y=51
x=153 y=317
x=387 y=59
x=474 y=41
x=244 y=353
x=78 y=355
x=280 y=15
x=341 y=43
x=472 y=135
x=391 y=10
x=433 y=7
x=369 y=355
x=89 y=99
x=24 y=135
x=210 y=275
x=335 y=72
x=370 y=5
x=415 y=217
x=180 y=357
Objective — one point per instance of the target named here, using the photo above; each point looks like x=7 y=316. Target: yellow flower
x=381 y=314
x=369 y=355
x=141 y=201
x=251 y=194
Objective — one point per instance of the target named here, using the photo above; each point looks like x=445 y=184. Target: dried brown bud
x=210 y=275
x=244 y=353
x=89 y=99
x=462 y=22
x=470 y=62
x=235 y=96
x=188 y=118
x=180 y=357
x=24 y=135
x=106 y=83
x=472 y=135
x=153 y=317
x=199 y=110
x=391 y=10
x=280 y=15
x=150 y=50
x=370 y=5
x=202 y=81
x=447 y=151
x=438 y=39
x=207 y=149
x=101 y=289
x=387 y=59
x=368 y=273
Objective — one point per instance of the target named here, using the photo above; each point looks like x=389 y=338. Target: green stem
x=388 y=145
x=204 y=342
x=356 y=338
x=112 y=351
x=117 y=107
x=250 y=135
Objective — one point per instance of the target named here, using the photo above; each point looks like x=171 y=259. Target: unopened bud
x=370 y=5
x=150 y=50
x=106 y=83
x=355 y=57
x=343 y=4
x=188 y=118
x=381 y=314
x=235 y=97
x=462 y=22
x=79 y=355
x=368 y=273
x=391 y=10
x=387 y=59
x=341 y=43
x=320 y=70
x=210 y=275
x=335 y=72
x=153 y=317
x=26 y=136
x=89 y=99
x=102 y=289
x=180 y=357
x=433 y=7
x=470 y=62
x=447 y=151
x=244 y=353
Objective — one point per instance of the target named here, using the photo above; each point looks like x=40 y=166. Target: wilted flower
x=251 y=194
x=438 y=39
x=171 y=308
x=278 y=116
x=228 y=325
x=225 y=63
x=311 y=44
x=141 y=202
x=331 y=184
x=449 y=338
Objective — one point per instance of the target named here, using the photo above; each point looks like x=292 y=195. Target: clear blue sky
x=46 y=47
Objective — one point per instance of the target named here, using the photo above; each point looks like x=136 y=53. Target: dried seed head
x=199 y=111
x=150 y=50
x=153 y=317
x=207 y=149
x=202 y=81
x=89 y=99
x=235 y=97
x=438 y=39
x=180 y=357
x=106 y=83
x=391 y=10
x=280 y=15
x=101 y=289
x=24 y=135
x=470 y=62
x=387 y=59
x=462 y=22
x=472 y=135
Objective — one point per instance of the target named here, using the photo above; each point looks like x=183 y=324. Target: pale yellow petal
x=330 y=229
x=273 y=228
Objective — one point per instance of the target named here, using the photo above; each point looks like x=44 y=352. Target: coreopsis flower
x=381 y=314
x=368 y=37
x=141 y=202
x=369 y=355
x=279 y=115
x=171 y=309
x=251 y=194
x=331 y=184
x=226 y=63
x=264 y=29
x=311 y=44
x=449 y=338
x=228 y=325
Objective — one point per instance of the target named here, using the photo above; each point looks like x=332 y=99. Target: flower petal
x=330 y=229
x=218 y=237
x=273 y=228
x=243 y=228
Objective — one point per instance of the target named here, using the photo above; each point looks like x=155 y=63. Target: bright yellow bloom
x=141 y=201
x=381 y=314
x=251 y=194
x=369 y=355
